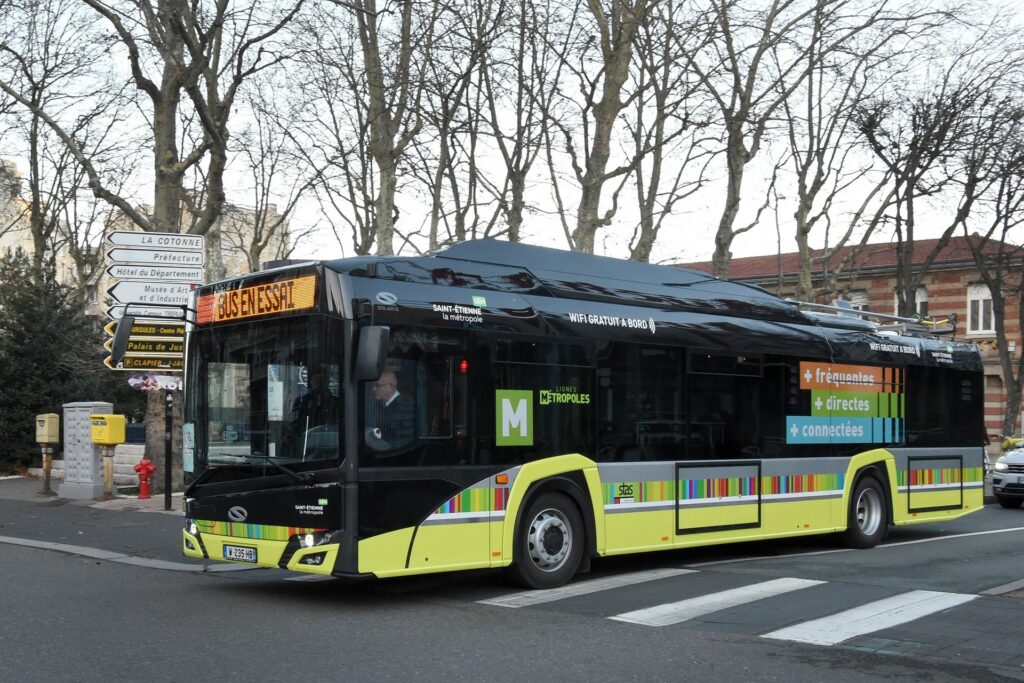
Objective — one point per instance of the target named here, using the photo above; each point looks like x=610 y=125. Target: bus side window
x=640 y=403
x=725 y=407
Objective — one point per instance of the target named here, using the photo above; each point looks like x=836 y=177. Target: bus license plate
x=239 y=553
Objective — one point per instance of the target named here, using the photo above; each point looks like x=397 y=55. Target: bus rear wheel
x=549 y=542
x=866 y=521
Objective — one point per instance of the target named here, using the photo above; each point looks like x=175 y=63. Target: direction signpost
x=154 y=273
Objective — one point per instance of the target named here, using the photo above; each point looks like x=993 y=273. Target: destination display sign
x=117 y=312
x=124 y=271
x=157 y=240
x=153 y=330
x=149 y=347
x=157 y=257
x=271 y=298
x=162 y=363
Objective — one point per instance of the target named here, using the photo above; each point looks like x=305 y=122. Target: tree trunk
x=737 y=158
x=386 y=206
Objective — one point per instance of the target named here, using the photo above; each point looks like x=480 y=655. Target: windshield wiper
x=203 y=476
x=300 y=478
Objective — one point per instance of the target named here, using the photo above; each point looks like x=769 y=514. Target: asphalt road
x=743 y=612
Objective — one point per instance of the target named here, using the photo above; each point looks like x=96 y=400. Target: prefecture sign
x=151 y=330
x=157 y=257
x=157 y=240
x=123 y=271
x=150 y=292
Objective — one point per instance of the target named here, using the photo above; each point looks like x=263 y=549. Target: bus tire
x=867 y=518
x=1009 y=503
x=550 y=541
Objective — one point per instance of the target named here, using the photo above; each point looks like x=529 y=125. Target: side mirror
x=372 y=352
x=120 y=345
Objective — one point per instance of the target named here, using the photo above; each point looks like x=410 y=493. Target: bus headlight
x=193 y=530
x=312 y=539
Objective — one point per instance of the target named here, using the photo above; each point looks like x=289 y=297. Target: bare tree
x=278 y=178
x=998 y=250
x=331 y=131
x=758 y=58
x=825 y=151
x=595 y=48
x=49 y=57
x=396 y=42
x=202 y=53
x=450 y=108
x=940 y=140
x=518 y=71
x=670 y=127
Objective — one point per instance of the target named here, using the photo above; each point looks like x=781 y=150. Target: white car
x=1008 y=478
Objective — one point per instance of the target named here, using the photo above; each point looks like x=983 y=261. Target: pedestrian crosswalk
x=685 y=610
x=786 y=608
x=869 y=618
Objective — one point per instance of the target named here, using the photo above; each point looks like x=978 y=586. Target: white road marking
x=874 y=616
x=684 y=610
x=120 y=558
x=1005 y=588
x=13 y=476
x=537 y=597
x=848 y=550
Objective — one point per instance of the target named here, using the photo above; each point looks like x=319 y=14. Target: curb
x=121 y=558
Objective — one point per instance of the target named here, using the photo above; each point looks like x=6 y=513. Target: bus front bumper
x=294 y=553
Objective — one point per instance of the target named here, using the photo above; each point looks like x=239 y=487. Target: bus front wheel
x=867 y=519
x=549 y=542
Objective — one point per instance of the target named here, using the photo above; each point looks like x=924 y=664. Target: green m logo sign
x=513 y=418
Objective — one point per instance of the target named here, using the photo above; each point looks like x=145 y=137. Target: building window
x=858 y=299
x=979 y=310
x=920 y=302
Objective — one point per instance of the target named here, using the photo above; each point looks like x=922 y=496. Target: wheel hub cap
x=549 y=540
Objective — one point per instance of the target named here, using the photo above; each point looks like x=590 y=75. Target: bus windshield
x=262 y=391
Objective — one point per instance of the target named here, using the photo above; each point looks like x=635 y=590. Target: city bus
x=498 y=405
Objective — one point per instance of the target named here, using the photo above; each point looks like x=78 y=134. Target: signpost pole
x=168 y=435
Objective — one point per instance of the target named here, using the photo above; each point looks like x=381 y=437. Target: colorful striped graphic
x=618 y=493
x=469 y=500
x=938 y=476
x=723 y=487
x=262 y=532
x=803 y=483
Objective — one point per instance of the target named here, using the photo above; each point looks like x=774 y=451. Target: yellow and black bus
x=504 y=405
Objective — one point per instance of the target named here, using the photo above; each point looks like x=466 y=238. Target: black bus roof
x=526 y=269
x=688 y=306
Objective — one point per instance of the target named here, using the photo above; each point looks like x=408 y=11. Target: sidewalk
x=111 y=530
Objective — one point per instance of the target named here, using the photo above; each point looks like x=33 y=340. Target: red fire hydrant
x=144 y=469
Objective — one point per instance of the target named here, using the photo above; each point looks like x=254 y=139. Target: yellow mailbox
x=48 y=428
x=107 y=430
